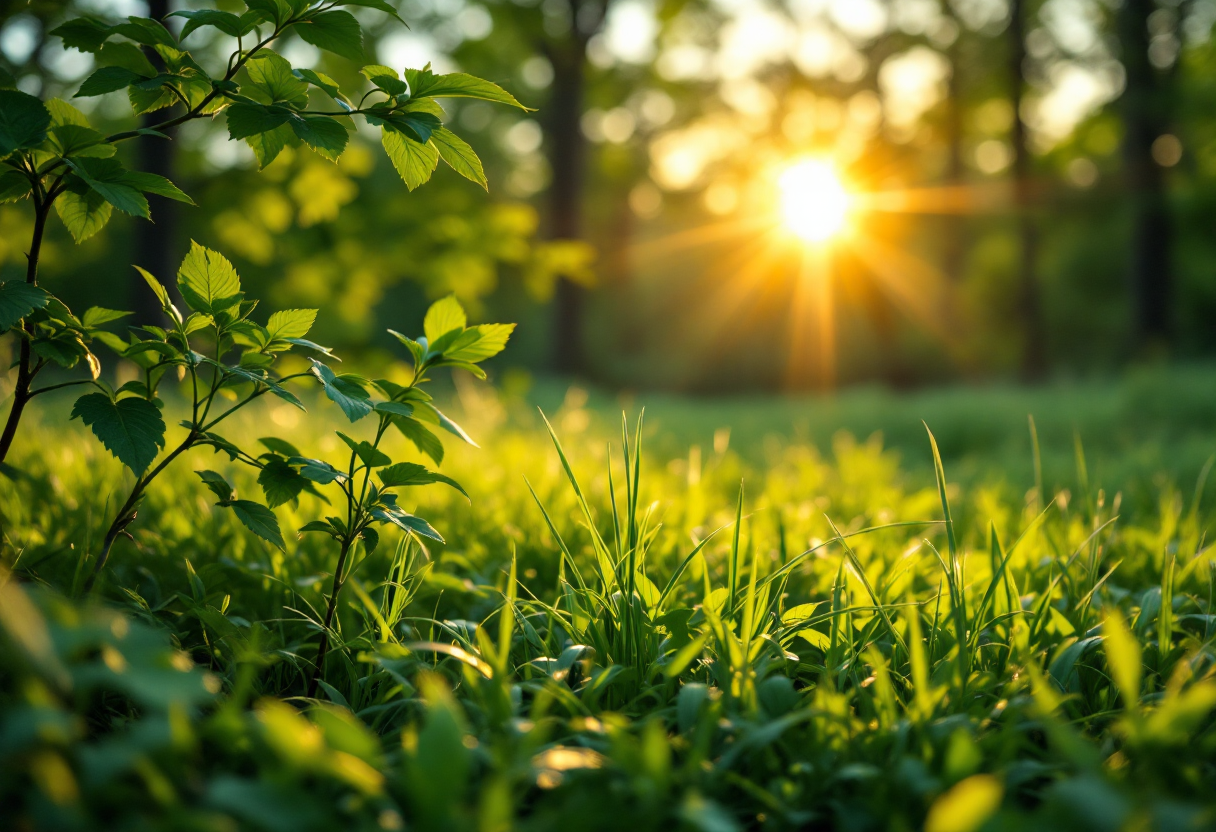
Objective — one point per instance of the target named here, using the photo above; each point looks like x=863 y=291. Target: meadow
x=758 y=613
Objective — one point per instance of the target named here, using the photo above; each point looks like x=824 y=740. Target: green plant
x=481 y=687
x=219 y=329
x=448 y=342
x=54 y=158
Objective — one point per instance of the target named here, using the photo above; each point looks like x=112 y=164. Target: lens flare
x=814 y=202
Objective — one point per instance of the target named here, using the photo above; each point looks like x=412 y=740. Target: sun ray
x=918 y=288
x=681 y=241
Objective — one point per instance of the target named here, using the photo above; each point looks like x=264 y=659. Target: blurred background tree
x=1032 y=183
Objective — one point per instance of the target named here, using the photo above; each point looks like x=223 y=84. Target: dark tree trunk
x=956 y=236
x=1145 y=112
x=1029 y=304
x=567 y=148
x=155 y=242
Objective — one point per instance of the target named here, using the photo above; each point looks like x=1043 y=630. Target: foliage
x=920 y=656
x=54 y=157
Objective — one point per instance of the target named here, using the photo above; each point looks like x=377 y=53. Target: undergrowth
x=613 y=640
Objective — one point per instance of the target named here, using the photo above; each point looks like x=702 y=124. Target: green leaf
x=334 y=31
x=280 y=482
x=107 y=79
x=226 y=22
x=386 y=78
x=425 y=441
x=95 y=316
x=259 y=520
x=395 y=408
x=14 y=185
x=424 y=105
x=443 y=317
x=83 y=33
x=416 y=125
x=83 y=211
x=404 y=520
x=267 y=146
x=218 y=485
x=158 y=289
x=131 y=429
x=65 y=349
x=207 y=280
x=459 y=156
x=379 y=5
x=245 y=120
x=271 y=75
x=319 y=526
x=1123 y=657
x=279 y=446
x=322 y=82
x=415 y=162
x=7 y=81
x=105 y=177
x=323 y=134
x=317 y=470
x=145 y=30
x=74 y=140
x=63 y=113
x=18 y=299
x=153 y=184
x=128 y=56
x=491 y=340
x=370 y=455
x=424 y=83
x=404 y=474
x=278 y=11
x=445 y=423
x=353 y=399
x=291 y=323
x=23 y=121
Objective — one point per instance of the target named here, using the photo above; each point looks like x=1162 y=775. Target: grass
x=729 y=615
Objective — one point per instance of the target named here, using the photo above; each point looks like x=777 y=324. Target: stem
x=354 y=510
x=25 y=376
x=126 y=514
x=323 y=647
x=60 y=386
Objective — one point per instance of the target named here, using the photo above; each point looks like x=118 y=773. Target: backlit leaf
x=83 y=211
x=415 y=162
x=424 y=83
x=18 y=299
x=291 y=323
x=132 y=429
x=207 y=280
x=461 y=158
x=444 y=316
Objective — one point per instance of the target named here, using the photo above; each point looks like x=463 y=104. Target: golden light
x=814 y=202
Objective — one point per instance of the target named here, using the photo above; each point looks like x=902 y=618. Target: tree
x=1029 y=303
x=1146 y=112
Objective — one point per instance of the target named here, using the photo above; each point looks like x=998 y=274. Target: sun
x=814 y=201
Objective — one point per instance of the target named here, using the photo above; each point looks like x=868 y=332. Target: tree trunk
x=1029 y=305
x=567 y=149
x=155 y=242
x=956 y=233
x=1145 y=114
